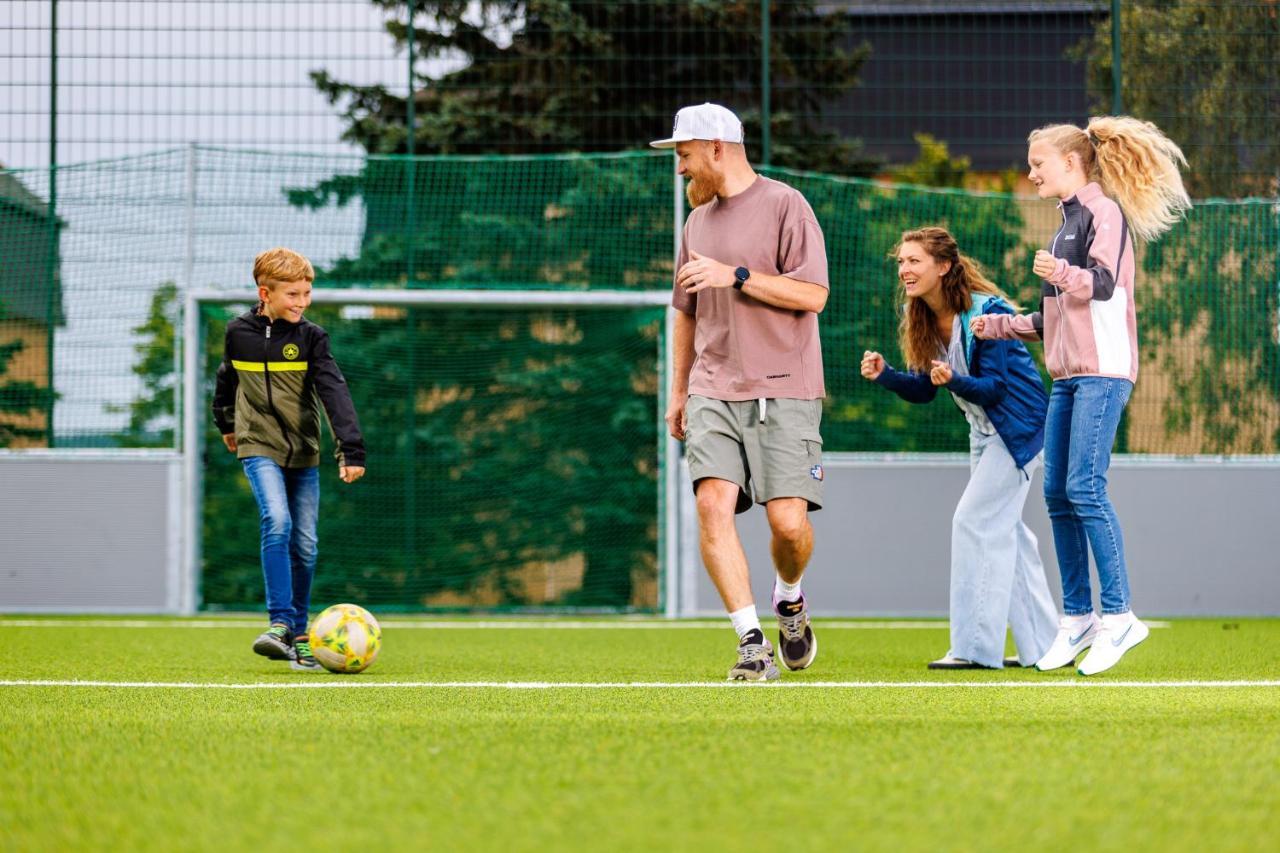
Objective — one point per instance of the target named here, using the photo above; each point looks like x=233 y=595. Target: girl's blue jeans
x=1084 y=414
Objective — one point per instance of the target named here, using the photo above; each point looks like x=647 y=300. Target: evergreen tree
x=584 y=75
x=151 y=415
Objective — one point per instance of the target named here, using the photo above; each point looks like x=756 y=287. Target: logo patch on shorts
x=816 y=472
x=290 y=351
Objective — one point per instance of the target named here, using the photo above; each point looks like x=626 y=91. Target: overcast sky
x=136 y=77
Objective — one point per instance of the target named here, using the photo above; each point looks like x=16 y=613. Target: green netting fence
x=513 y=454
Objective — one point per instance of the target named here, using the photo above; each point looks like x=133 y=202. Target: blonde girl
x=1115 y=178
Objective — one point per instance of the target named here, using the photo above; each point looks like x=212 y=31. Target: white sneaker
x=1120 y=632
x=1074 y=636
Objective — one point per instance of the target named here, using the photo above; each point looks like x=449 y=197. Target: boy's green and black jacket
x=272 y=380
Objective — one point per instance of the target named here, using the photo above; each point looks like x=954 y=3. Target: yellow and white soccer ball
x=345 y=638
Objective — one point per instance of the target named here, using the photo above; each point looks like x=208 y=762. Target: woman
x=997 y=578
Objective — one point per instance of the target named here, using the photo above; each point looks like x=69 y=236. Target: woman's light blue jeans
x=997 y=579
x=288 y=506
x=1084 y=414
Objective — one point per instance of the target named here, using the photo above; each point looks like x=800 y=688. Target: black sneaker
x=303 y=660
x=755 y=659
x=274 y=643
x=796 y=644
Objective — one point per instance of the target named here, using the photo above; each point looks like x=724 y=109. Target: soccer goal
x=517 y=456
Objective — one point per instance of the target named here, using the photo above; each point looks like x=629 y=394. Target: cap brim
x=670 y=143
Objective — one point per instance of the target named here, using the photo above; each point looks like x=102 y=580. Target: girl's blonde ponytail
x=1138 y=167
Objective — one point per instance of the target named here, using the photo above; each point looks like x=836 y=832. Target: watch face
x=742 y=273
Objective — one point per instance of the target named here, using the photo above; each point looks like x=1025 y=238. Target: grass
x=631 y=768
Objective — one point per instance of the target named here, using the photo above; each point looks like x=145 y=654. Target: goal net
x=515 y=453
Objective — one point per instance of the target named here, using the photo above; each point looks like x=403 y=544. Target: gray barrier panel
x=1202 y=538
x=89 y=533
x=101 y=533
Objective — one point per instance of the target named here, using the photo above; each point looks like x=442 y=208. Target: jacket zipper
x=266 y=373
x=1062 y=313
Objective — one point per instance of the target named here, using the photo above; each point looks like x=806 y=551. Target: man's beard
x=701 y=190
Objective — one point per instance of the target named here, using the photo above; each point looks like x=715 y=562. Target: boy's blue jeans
x=288 y=505
x=1084 y=413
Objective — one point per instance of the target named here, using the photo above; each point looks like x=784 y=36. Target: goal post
x=551 y=375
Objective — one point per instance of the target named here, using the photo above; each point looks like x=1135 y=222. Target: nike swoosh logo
x=1075 y=640
x=1118 y=640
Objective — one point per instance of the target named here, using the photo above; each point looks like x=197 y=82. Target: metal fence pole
x=411 y=130
x=188 y=284
x=411 y=406
x=1117 y=100
x=766 y=111
x=192 y=454
x=51 y=260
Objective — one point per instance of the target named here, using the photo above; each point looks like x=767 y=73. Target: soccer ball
x=345 y=638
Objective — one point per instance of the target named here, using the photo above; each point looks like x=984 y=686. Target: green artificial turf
x=631 y=768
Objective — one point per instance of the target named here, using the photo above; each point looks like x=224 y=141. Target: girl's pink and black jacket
x=1086 y=318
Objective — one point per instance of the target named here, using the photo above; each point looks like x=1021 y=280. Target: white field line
x=488 y=625
x=639 y=685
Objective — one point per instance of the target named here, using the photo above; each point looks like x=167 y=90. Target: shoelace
x=751 y=654
x=279 y=631
x=792 y=626
x=303 y=648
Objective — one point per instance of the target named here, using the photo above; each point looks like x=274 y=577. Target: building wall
x=31 y=364
x=948 y=74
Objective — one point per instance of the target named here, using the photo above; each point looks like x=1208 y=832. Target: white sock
x=784 y=591
x=1079 y=621
x=745 y=620
x=1117 y=620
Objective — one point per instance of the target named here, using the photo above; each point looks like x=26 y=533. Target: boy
x=276 y=368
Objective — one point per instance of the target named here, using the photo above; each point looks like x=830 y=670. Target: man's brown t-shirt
x=743 y=348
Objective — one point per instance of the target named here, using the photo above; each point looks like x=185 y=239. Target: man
x=747 y=388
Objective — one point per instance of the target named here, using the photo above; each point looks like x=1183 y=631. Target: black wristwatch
x=740 y=276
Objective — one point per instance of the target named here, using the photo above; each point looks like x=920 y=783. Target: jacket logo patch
x=291 y=351
x=1069 y=237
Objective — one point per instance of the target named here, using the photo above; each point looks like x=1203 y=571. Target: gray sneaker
x=755 y=659
x=796 y=644
x=303 y=660
x=274 y=643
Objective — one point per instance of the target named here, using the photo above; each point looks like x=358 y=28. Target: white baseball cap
x=704 y=121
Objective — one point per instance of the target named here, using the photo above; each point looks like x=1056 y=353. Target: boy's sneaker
x=755 y=659
x=303 y=660
x=1073 y=638
x=274 y=643
x=1120 y=632
x=796 y=644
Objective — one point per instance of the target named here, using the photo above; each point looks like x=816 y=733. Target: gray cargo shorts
x=771 y=448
